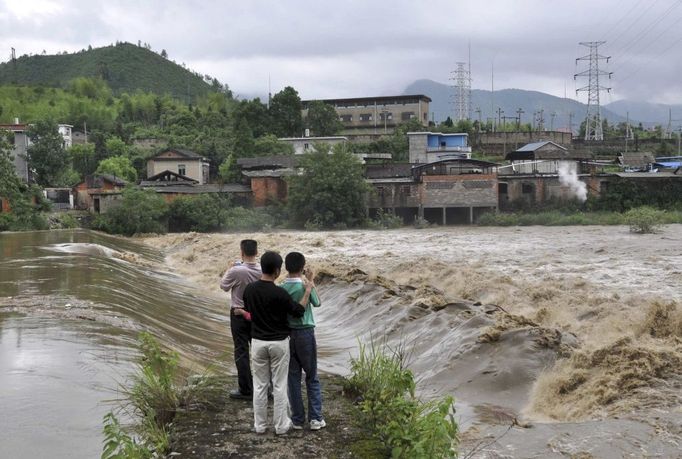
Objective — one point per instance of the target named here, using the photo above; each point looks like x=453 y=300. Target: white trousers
x=270 y=361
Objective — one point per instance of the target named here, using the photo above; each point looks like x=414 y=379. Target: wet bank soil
x=222 y=428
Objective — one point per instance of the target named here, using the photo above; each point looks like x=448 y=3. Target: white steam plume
x=568 y=177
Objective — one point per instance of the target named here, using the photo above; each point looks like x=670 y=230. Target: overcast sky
x=328 y=49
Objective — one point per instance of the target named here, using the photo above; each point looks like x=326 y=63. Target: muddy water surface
x=71 y=305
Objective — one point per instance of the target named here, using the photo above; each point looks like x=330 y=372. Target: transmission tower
x=462 y=88
x=593 y=126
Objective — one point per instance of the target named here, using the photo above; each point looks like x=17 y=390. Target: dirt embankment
x=223 y=428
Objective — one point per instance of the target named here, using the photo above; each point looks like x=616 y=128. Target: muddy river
x=556 y=342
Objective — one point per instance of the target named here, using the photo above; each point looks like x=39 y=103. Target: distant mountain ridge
x=125 y=67
x=510 y=100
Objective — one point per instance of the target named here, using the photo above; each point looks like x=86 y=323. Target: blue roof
x=669 y=164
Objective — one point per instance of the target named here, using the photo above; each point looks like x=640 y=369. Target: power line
x=644 y=32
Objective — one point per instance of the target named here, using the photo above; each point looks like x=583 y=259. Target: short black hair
x=270 y=263
x=249 y=247
x=294 y=262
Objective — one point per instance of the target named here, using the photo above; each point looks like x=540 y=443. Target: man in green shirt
x=302 y=347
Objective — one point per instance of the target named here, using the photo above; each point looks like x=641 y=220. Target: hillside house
x=97 y=193
x=182 y=162
x=544 y=158
x=429 y=147
x=19 y=148
x=307 y=144
x=267 y=177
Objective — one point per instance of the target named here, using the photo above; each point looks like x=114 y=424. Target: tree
x=83 y=158
x=118 y=166
x=331 y=189
x=269 y=145
x=140 y=211
x=285 y=111
x=322 y=119
x=46 y=157
x=228 y=172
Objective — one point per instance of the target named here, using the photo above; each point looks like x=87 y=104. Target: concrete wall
x=306 y=144
x=21 y=143
x=537 y=190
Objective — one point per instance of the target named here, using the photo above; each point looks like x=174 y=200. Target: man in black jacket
x=268 y=306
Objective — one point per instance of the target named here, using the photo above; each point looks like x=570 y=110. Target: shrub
x=140 y=211
x=407 y=427
x=201 y=213
x=385 y=220
x=644 y=220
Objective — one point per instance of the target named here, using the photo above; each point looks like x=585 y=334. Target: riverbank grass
x=405 y=426
x=157 y=393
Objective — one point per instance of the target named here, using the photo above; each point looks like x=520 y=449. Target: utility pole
x=593 y=122
x=519 y=112
x=570 y=123
x=541 y=120
x=462 y=89
x=669 y=129
x=551 y=122
x=499 y=116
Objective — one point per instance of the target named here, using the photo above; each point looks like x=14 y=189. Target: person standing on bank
x=303 y=347
x=236 y=279
x=269 y=306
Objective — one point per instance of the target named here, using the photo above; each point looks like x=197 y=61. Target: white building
x=65 y=131
x=306 y=144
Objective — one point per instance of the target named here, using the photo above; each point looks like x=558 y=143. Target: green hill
x=124 y=66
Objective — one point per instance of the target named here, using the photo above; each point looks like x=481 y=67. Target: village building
x=307 y=144
x=182 y=162
x=449 y=191
x=19 y=147
x=170 y=185
x=636 y=161
x=375 y=116
x=79 y=138
x=65 y=132
x=97 y=193
x=267 y=177
x=428 y=147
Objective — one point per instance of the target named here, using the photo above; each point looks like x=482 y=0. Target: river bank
x=224 y=428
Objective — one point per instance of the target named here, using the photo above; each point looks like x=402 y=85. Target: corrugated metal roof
x=536 y=145
x=199 y=189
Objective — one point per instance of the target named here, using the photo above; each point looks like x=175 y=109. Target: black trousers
x=241 y=336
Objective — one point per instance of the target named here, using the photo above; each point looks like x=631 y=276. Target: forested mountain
x=124 y=66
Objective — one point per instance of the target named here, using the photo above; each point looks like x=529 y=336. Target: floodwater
x=556 y=342
x=71 y=305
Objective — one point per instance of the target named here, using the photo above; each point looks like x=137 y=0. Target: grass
x=157 y=393
x=558 y=218
x=404 y=426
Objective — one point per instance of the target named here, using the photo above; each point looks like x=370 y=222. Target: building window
x=527 y=188
x=406 y=116
x=306 y=146
x=502 y=188
x=346 y=118
x=388 y=116
x=182 y=169
x=365 y=117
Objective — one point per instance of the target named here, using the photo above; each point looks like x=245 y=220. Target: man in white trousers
x=268 y=306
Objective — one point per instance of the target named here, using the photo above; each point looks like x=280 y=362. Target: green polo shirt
x=296 y=289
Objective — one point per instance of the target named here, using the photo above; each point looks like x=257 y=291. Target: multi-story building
x=20 y=147
x=65 y=132
x=367 y=116
x=428 y=147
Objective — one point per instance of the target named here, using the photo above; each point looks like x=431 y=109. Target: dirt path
x=225 y=431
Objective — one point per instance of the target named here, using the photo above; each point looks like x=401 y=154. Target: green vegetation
x=157 y=393
x=331 y=190
x=26 y=203
x=322 y=119
x=124 y=67
x=405 y=426
x=140 y=211
x=644 y=220
x=118 y=166
x=385 y=220
x=573 y=217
